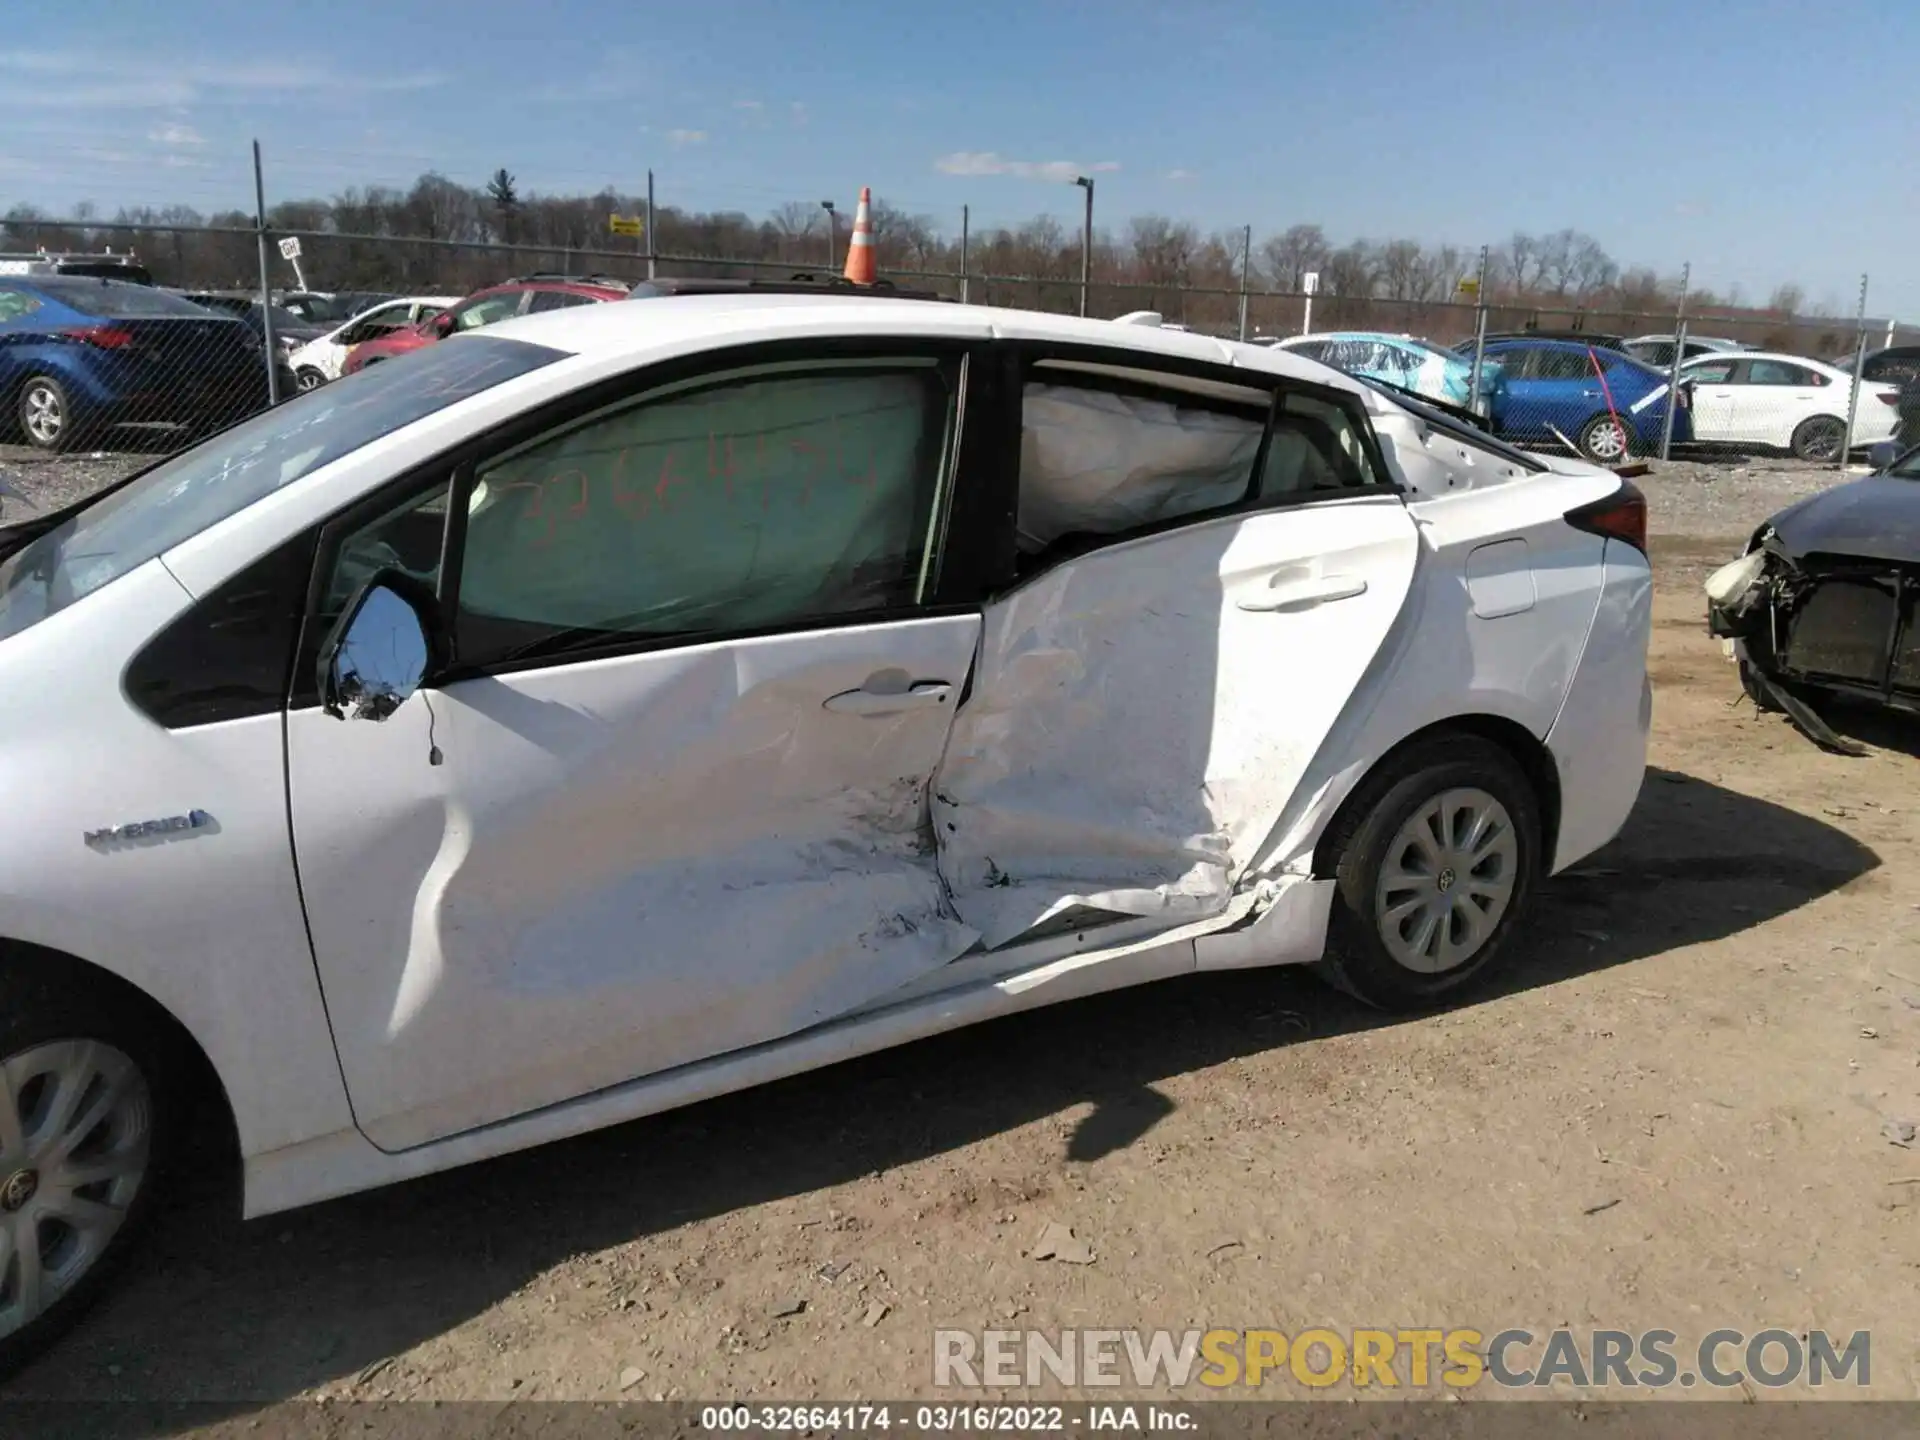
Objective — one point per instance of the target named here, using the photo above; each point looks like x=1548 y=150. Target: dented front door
x=560 y=874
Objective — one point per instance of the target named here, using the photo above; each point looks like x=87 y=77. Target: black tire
x=44 y=1001
x=307 y=378
x=1818 y=438
x=1598 y=443
x=1358 y=847
x=39 y=398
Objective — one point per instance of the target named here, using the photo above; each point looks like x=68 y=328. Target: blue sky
x=1763 y=141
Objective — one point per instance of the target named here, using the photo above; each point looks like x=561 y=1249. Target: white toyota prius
x=621 y=706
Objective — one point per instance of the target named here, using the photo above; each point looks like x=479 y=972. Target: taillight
x=1889 y=397
x=1620 y=516
x=1683 y=397
x=104 y=337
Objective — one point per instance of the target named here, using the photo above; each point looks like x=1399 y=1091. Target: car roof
x=669 y=324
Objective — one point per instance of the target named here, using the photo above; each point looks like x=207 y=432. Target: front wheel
x=1435 y=864
x=1606 y=440
x=307 y=378
x=1819 y=439
x=86 y=1120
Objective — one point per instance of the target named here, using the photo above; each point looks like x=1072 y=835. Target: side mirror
x=381 y=650
x=442 y=324
x=1882 y=455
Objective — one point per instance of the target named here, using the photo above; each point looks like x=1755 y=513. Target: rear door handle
x=923 y=696
x=1304 y=595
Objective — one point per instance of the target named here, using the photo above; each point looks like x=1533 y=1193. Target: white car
x=319 y=361
x=1657 y=350
x=628 y=704
x=1785 y=402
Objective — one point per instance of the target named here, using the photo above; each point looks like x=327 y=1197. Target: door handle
x=1304 y=595
x=1589 y=394
x=923 y=696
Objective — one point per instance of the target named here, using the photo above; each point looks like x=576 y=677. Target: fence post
x=1479 y=334
x=653 y=245
x=1859 y=365
x=266 y=280
x=964 y=218
x=1246 y=276
x=1673 y=370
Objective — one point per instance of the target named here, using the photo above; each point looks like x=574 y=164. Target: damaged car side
x=1822 y=601
x=616 y=707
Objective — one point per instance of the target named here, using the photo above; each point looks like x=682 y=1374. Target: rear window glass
x=115 y=299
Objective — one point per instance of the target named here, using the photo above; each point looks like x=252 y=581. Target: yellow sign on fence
x=626 y=224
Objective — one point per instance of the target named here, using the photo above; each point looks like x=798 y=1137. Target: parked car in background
x=1608 y=404
x=1657 y=350
x=1785 y=402
x=1408 y=364
x=78 y=356
x=103 y=265
x=1892 y=365
x=619 y=708
x=1577 y=337
x=320 y=359
x=528 y=295
x=330 y=307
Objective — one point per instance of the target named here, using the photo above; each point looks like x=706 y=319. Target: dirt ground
x=1670 y=1115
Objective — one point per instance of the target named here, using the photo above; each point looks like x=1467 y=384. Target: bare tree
x=1289 y=255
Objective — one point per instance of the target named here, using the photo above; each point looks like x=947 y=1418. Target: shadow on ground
x=244 y=1314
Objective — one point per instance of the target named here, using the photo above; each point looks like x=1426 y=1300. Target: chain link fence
x=136 y=334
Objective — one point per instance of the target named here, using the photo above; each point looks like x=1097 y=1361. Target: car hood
x=1875 y=518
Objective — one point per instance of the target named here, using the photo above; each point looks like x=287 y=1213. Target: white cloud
x=175 y=133
x=797 y=112
x=749 y=104
x=128 y=82
x=184 y=162
x=1177 y=175
x=988 y=162
x=687 y=137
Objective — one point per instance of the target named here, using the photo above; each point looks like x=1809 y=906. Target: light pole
x=1085 y=182
x=832 y=232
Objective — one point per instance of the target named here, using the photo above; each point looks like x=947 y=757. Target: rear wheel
x=46 y=414
x=1437 y=859
x=87 y=1118
x=1819 y=438
x=1606 y=441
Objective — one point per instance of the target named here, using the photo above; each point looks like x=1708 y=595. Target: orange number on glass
x=669 y=478
x=632 y=502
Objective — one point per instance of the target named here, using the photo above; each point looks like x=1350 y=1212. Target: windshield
x=179 y=498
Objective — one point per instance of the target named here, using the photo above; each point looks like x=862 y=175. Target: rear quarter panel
x=1496 y=624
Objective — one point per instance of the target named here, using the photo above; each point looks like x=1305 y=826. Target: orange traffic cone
x=860 y=248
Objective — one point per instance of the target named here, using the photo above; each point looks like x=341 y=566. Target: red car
x=527 y=295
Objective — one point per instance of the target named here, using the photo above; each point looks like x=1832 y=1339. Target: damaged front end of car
x=1800 y=624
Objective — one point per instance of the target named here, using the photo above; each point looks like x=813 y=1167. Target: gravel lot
x=1681 y=1110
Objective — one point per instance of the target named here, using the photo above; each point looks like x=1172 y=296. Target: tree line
x=441 y=235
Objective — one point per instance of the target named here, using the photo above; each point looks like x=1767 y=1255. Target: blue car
x=1562 y=390
x=80 y=355
x=1408 y=364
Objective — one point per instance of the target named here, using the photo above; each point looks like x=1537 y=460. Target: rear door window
x=1778 y=372
x=1562 y=365
x=544 y=300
